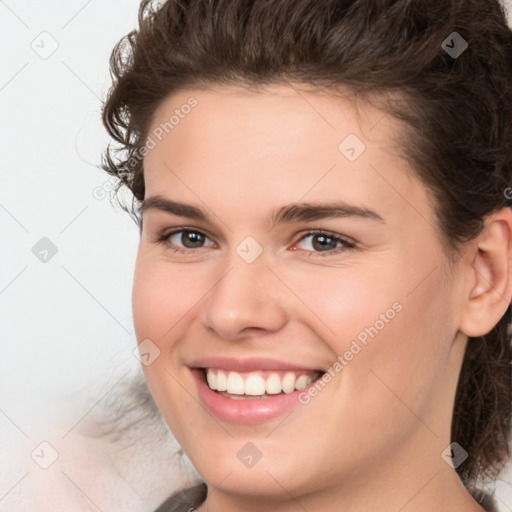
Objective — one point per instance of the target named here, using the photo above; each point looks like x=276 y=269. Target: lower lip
x=244 y=411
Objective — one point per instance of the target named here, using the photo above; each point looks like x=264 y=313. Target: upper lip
x=247 y=365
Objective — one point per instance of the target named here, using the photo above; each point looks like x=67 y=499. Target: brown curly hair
x=457 y=112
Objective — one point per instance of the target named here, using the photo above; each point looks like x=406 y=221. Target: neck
x=430 y=495
x=411 y=482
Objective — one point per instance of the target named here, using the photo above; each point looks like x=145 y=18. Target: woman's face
x=248 y=294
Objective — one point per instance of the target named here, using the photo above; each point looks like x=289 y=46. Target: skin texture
x=372 y=438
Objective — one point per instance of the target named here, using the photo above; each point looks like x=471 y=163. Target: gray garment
x=486 y=500
x=192 y=498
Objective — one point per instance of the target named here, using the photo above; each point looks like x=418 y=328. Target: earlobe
x=490 y=276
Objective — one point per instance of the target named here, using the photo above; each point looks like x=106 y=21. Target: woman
x=323 y=278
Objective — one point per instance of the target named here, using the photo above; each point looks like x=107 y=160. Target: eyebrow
x=295 y=212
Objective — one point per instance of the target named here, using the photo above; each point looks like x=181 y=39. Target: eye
x=314 y=242
x=183 y=240
x=324 y=242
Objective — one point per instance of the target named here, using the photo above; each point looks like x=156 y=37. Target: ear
x=489 y=284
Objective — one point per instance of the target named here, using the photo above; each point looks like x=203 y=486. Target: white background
x=66 y=323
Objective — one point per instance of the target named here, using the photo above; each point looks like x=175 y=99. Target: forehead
x=260 y=148
x=297 y=117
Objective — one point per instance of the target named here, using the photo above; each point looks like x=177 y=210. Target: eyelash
x=347 y=244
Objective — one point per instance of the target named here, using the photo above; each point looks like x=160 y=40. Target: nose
x=246 y=300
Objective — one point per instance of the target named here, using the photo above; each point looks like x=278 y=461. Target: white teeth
x=212 y=380
x=222 y=382
x=235 y=384
x=288 y=383
x=254 y=384
x=273 y=384
x=302 y=382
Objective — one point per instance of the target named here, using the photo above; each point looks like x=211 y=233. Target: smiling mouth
x=257 y=384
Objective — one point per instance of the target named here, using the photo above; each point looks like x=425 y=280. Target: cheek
x=405 y=338
x=162 y=296
x=395 y=345
x=392 y=327
x=340 y=304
